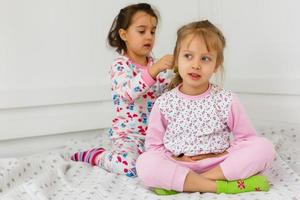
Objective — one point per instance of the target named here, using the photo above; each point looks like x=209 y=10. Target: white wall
x=54 y=62
x=261 y=58
x=262 y=36
x=54 y=59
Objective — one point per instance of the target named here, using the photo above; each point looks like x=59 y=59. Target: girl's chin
x=144 y=52
x=195 y=88
x=147 y=49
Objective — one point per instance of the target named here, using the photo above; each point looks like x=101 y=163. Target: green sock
x=253 y=183
x=160 y=191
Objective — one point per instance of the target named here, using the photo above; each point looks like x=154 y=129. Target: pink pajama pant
x=245 y=158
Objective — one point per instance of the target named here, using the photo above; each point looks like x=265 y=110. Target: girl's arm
x=156 y=130
x=164 y=78
x=162 y=64
x=239 y=122
x=164 y=72
x=129 y=84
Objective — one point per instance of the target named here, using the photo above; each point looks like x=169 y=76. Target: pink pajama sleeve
x=248 y=153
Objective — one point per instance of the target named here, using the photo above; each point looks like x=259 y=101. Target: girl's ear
x=122 y=34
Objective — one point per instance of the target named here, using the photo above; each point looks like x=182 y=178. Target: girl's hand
x=183 y=158
x=165 y=62
x=198 y=157
x=209 y=155
x=162 y=64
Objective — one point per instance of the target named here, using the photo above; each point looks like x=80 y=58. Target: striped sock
x=88 y=156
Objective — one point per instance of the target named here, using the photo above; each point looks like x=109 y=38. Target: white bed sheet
x=50 y=176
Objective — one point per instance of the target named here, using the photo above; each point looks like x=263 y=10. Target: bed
x=51 y=175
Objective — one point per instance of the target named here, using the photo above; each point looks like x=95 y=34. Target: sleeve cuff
x=147 y=78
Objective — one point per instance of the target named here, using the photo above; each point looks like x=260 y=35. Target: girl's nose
x=196 y=66
x=149 y=35
x=196 y=63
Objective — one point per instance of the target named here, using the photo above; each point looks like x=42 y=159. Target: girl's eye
x=188 y=56
x=141 y=32
x=152 y=32
x=205 y=58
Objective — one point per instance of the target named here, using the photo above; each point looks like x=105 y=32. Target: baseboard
x=34 y=145
x=48 y=111
x=54 y=119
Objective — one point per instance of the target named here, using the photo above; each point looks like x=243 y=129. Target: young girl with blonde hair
x=188 y=146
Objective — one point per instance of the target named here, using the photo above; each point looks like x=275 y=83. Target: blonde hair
x=213 y=38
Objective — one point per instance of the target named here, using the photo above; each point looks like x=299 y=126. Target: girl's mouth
x=194 y=76
x=147 y=45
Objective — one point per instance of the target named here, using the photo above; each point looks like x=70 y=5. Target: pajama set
x=181 y=124
x=133 y=93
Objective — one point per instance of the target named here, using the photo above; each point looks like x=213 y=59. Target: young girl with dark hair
x=136 y=82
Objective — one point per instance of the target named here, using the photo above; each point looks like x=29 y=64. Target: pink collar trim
x=192 y=97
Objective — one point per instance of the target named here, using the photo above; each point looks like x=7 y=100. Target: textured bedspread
x=50 y=176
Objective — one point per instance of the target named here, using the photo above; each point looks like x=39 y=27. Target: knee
x=264 y=144
x=265 y=148
x=155 y=169
x=140 y=164
x=145 y=166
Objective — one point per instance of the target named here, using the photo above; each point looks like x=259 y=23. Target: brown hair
x=213 y=38
x=123 y=21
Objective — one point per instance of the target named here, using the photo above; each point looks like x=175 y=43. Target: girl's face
x=140 y=35
x=195 y=65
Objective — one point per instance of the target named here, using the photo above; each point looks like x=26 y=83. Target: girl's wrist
x=153 y=71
